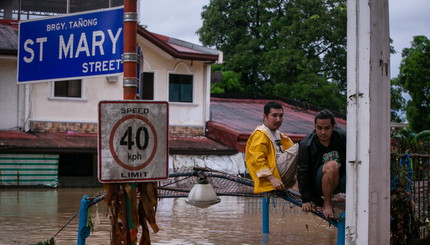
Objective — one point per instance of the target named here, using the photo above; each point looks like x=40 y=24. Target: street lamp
x=202 y=194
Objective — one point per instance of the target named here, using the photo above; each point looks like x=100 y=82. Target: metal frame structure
x=217 y=178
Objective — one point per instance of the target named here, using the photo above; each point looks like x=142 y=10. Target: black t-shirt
x=333 y=151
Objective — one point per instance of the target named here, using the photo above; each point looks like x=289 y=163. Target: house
x=55 y=123
x=11 y=96
x=48 y=130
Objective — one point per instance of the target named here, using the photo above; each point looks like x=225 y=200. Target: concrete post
x=368 y=91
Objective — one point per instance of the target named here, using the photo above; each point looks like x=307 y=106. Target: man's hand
x=307 y=207
x=277 y=183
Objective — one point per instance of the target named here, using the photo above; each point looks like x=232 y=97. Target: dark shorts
x=340 y=188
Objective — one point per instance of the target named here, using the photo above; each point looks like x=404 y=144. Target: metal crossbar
x=180 y=184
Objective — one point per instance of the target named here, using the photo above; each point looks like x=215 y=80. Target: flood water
x=28 y=216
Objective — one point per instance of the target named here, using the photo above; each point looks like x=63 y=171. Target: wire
x=171 y=183
x=64 y=226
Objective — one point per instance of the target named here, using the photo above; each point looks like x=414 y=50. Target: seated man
x=321 y=164
x=269 y=154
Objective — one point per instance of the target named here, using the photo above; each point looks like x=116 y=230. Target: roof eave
x=173 y=52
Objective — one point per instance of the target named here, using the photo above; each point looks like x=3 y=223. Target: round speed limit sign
x=133 y=141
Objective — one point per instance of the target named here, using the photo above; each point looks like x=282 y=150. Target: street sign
x=73 y=46
x=132 y=141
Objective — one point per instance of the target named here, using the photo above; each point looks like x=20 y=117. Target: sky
x=182 y=18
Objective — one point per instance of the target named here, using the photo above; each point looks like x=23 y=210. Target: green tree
x=397 y=100
x=229 y=84
x=291 y=48
x=414 y=77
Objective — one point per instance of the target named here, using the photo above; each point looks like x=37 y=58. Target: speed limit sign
x=133 y=141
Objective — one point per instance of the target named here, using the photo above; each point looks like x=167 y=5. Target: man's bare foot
x=328 y=210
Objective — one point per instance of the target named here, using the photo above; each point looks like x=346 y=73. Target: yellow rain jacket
x=260 y=158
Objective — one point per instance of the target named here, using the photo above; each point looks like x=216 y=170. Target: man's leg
x=330 y=179
x=287 y=166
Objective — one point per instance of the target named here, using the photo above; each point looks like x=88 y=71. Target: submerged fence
x=420 y=188
x=410 y=186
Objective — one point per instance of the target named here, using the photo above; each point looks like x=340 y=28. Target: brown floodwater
x=28 y=216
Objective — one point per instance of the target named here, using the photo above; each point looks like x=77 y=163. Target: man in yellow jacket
x=265 y=153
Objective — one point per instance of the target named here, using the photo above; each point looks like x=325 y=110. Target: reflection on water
x=29 y=216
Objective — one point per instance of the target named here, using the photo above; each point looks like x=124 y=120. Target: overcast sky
x=181 y=19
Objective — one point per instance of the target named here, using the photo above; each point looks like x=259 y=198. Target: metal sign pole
x=130 y=83
x=134 y=156
x=126 y=194
x=130 y=57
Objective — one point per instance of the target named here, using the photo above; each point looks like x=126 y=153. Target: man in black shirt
x=321 y=165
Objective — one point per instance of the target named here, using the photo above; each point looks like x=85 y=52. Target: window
x=180 y=88
x=147 y=84
x=69 y=88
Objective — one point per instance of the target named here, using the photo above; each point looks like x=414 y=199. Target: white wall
x=184 y=114
x=10 y=95
x=46 y=108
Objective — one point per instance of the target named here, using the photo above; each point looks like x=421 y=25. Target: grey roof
x=8 y=40
x=193 y=46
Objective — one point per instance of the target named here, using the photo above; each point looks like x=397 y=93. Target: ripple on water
x=29 y=216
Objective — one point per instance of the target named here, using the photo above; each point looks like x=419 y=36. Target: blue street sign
x=71 y=46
